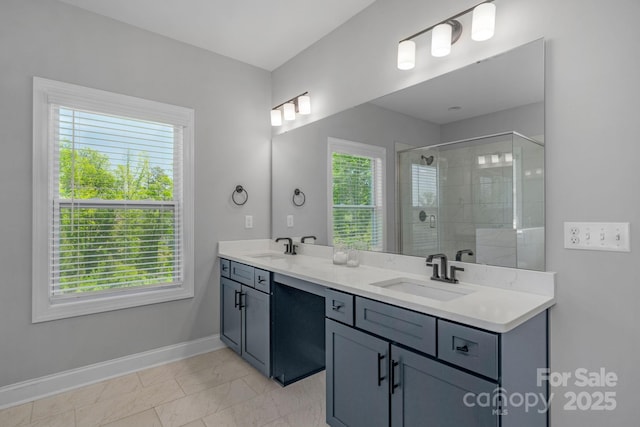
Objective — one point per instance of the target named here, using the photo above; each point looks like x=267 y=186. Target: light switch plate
x=289 y=220
x=598 y=236
x=248 y=221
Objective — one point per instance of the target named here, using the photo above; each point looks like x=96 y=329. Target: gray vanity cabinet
x=245 y=315
x=371 y=382
x=395 y=367
x=357 y=386
x=427 y=393
x=255 y=329
x=230 y=315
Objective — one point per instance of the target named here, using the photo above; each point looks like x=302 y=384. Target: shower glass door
x=485 y=195
x=419 y=202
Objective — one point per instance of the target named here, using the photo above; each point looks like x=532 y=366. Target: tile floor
x=216 y=389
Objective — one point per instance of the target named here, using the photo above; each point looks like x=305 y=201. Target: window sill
x=46 y=311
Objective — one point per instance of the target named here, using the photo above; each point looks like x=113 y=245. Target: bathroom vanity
x=398 y=349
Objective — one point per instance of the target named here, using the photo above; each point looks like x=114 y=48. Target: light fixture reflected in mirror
x=444 y=34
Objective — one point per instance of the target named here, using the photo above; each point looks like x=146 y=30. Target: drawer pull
x=261 y=280
x=380 y=377
x=224 y=267
x=337 y=306
x=463 y=349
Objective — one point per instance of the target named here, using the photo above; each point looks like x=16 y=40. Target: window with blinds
x=115 y=219
x=424 y=185
x=357 y=194
x=116 y=205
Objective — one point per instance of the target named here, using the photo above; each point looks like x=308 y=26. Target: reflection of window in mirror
x=424 y=185
x=356 y=194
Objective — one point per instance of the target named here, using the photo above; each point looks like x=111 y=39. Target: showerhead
x=427 y=160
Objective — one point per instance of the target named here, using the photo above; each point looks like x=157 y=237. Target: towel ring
x=297 y=193
x=239 y=190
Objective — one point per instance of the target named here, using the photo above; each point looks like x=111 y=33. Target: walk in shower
x=485 y=195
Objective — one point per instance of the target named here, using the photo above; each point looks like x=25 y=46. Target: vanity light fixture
x=300 y=104
x=276 y=118
x=446 y=33
x=484 y=22
x=289 y=111
x=304 y=104
x=406 y=54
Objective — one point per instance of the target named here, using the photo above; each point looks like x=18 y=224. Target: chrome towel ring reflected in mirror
x=239 y=190
x=297 y=194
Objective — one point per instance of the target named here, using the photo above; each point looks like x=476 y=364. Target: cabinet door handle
x=392 y=383
x=380 y=377
x=463 y=349
x=236 y=300
x=245 y=301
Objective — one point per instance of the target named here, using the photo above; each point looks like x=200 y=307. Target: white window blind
x=424 y=185
x=113 y=201
x=357 y=195
x=116 y=208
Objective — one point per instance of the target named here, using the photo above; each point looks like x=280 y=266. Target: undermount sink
x=268 y=256
x=424 y=289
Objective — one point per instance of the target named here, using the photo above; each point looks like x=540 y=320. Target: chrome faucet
x=443 y=266
x=289 y=248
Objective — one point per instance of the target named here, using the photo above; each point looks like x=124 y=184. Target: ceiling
x=264 y=33
x=505 y=81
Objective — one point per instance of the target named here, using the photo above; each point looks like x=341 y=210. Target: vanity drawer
x=415 y=330
x=262 y=280
x=339 y=306
x=225 y=267
x=242 y=273
x=468 y=348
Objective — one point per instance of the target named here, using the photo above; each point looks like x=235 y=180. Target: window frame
x=336 y=145
x=46 y=92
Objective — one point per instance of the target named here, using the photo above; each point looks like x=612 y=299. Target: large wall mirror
x=452 y=164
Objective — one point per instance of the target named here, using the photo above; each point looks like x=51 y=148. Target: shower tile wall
x=530 y=204
x=476 y=186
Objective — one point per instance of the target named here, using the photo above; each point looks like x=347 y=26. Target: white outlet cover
x=289 y=220
x=598 y=236
x=248 y=221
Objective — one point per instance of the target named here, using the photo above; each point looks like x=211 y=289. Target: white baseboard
x=27 y=391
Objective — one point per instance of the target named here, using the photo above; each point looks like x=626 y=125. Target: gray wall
x=300 y=161
x=231 y=100
x=592 y=153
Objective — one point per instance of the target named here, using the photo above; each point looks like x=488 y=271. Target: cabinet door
x=230 y=314
x=256 y=329
x=357 y=386
x=427 y=393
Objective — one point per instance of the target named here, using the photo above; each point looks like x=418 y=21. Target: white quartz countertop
x=497 y=308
